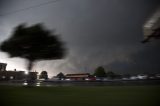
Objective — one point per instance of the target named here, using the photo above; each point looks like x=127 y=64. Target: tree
x=110 y=75
x=60 y=75
x=33 y=43
x=43 y=75
x=100 y=72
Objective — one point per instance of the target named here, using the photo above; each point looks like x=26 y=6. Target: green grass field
x=80 y=96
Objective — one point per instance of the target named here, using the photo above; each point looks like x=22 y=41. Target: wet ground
x=83 y=83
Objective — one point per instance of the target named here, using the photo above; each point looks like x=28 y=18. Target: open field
x=80 y=96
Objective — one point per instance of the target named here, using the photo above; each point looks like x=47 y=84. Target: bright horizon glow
x=26 y=72
x=10 y=67
x=12 y=63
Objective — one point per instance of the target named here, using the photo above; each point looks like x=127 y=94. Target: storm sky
x=104 y=33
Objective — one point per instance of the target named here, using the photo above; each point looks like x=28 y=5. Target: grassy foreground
x=80 y=96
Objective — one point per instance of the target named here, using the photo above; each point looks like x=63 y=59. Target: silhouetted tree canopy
x=43 y=75
x=100 y=72
x=110 y=74
x=33 y=43
x=60 y=75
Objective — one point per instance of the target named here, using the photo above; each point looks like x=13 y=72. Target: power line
x=31 y=7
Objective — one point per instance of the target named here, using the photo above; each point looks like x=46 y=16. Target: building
x=81 y=76
x=12 y=75
x=32 y=75
x=15 y=75
x=3 y=66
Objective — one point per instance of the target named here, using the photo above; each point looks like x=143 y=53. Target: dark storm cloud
x=109 y=22
x=108 y=32
x=97 y=32
x=145 y=61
